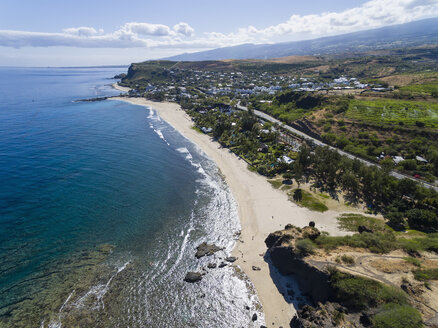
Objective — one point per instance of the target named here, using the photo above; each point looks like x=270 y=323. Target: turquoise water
x=101 y=207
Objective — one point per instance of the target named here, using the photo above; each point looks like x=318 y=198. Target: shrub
x=298 y=195
x=397 y=316
x=305 y=247
x=347 y=259
x=423 y=220
x=361 y=293
x=413 y=261
x=377 y=242
x=425 y=275
x=396 y=221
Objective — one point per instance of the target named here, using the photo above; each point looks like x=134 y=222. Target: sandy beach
x=262 y=210
x=120 y=88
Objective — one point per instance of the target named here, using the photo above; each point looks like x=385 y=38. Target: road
x=301 y=134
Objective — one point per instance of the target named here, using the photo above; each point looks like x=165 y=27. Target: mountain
x=395 y=36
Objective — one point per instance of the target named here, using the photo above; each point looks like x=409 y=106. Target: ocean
x=102 y=205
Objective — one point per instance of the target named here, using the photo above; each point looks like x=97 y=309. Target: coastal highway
x=301 y=134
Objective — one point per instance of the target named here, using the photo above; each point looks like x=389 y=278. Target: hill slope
x=396 y=36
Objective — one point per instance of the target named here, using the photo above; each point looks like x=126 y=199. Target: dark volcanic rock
x=223 y=264
x=206 y=250
x=119 y=76
x=230 y=259
x=193 y=277
x=256 y=268
x=254 y=317
x=321 y=316
x=362 y=228
x=211 y=265
x=312 y=224
x=284 y=256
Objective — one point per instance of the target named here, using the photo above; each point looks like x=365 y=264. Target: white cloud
x=372 y=14
x=184 y=28
x=82 y=31
x=147 y=29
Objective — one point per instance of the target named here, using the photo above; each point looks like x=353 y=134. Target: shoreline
x=120 y=88
x=261 y=208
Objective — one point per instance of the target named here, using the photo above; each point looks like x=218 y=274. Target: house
x=206 y=130
x=421 y=159
x=397 y=159
x=285 y=159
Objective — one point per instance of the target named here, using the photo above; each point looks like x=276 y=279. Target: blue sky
x=97 y=32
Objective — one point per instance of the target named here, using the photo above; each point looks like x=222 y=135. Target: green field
x=389 y=111
x=428 y=88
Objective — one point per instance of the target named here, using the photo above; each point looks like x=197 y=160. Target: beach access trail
x=262 y=210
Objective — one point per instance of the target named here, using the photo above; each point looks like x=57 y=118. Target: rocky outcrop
x=328 y=315
x=205 y=249
x=193 y=277
x=289 y=260
x=120 y=76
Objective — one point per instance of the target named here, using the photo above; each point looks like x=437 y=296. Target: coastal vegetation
x=351 y=297
x=381 y=107
x=387 y=109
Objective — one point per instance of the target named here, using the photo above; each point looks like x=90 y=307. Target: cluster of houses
x=340 y=83
x=398 y=159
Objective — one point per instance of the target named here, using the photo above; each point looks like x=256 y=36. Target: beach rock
x=205 y=249
x=223 y=264
x=312 y=224
x=230 y=259
x=254 y=317
x=247 y=307
x=256 y=268
x=193 y=277
x=212 y=265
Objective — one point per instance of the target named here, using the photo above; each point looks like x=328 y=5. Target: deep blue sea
x=102 y=205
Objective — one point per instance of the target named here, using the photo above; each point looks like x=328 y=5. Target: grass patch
x=194 y=127
x=325 y=196
x=362 y=293
x=305 y=247
x=426 y=275
x=421 y=88
x=382 y=242
x=413 y=260
x=351 y=222
x=275 y=183
x=394 y=111
x=378 y=242
x=420 y=244
x=309 y=201
x=397 y=316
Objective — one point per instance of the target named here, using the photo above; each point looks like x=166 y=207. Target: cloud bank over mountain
x=372 y=14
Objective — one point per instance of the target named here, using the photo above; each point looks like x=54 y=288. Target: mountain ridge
x=394 y=36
